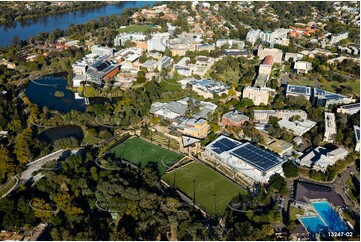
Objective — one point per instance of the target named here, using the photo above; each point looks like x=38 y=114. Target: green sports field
x=201 y=180
x=140 y=152
x=135 y=28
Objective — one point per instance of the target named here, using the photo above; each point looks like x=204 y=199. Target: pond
x=53 y=134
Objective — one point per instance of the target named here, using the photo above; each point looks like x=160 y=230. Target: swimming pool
x=314 y=224
x=330 y=217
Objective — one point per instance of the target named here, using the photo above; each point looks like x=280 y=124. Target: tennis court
x=140 y=152
x=211 y=189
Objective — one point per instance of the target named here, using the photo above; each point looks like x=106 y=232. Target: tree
x=278 y=183
x=245 y=103
x=231 y=92
x=290 y=170
x=6 y=163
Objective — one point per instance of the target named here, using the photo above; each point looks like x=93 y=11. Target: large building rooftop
x=306 y=191
x=298 y=90
x=257 y=157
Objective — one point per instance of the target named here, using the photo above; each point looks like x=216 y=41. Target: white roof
x=302 y=65
x=167 y=114
x=297 y=126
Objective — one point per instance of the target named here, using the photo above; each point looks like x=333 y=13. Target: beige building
x=257 y=95
x=349 y=109
x=330 y=127
x=262 y=116
x=276 y=53
x=194 y=127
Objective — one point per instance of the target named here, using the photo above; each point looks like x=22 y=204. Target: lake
x=41 y=92
x=67 y=131
x=32 y=27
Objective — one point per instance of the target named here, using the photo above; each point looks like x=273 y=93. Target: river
x=32 y=27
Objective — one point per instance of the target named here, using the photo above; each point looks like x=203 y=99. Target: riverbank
x=32 y=27
x=54 y=9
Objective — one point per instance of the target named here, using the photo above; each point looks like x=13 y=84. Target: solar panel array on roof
x=223 y=145
x=257 y=157
x=350 y=106
x=299 y=89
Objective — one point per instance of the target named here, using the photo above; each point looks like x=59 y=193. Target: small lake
x=41 y=92
x=32 y=27
x=52 y=134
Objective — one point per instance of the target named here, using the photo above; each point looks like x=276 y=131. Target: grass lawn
x=7 y=187
x=90 y=139
x=135 y=28
x=355 y=86
x=212 y=190
x=140 y=152
x=294 y=211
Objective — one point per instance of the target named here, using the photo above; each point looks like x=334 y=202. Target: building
x=237 y=52
x=275 y=36
x=349 y=109
x=325 y=98
x=94 y=68
x=320 y=158
x=8 y=64
x=164 y=62
x=71 y=43
x=202 y=65
x=264 y=71
x=158 y=42
x=194 y=127
x=208 y=88
x=298 y=128
x=257 y=95
x=175 y=109
x=317 y=96
x=234 y=118
x=306 y=192
x=356 y=128
x=253 y=35
x=185 y=82
x=125 y=80
x=121 y=39
x=278 y=146
x=102 y=50
x=338 y=37
x=208 y=47
x=276 y=53
x=252 y=161
x=262 y=116
x=296 y=90
x=230 y=43
x=188 y=141
x=302 y=67
x=294 y=56
x=183 y=68
x=3 y=133
x=150 y=65
x=181 y=45
x=330 y=127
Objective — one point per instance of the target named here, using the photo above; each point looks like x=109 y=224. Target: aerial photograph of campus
x=179 y=120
